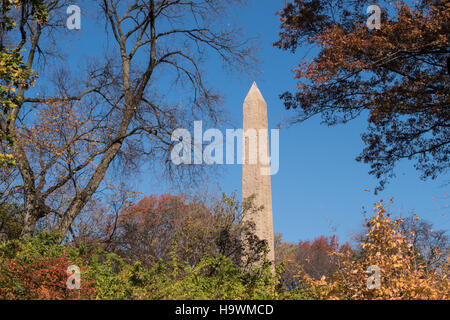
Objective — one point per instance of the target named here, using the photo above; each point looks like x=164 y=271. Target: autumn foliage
x=309 y=257
x=395 y=76
x=164 y=248
x=404 y=275
x=37 y=270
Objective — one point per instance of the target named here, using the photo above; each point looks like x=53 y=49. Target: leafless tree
x=66 y=143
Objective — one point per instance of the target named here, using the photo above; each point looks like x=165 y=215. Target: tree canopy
x=396 y=75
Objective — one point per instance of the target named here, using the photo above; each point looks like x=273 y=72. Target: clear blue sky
x=319 y=186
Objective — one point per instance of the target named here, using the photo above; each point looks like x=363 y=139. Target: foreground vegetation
x=36 y=267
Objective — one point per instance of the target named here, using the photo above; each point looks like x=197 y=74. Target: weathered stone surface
x=253 y=182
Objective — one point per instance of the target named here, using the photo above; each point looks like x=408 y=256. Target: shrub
x=403 y=274
x=36 y=268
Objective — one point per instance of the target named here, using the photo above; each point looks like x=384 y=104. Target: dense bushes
x=162 y=248
x=35 y=268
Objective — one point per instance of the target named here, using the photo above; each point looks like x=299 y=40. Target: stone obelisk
x=253 y=181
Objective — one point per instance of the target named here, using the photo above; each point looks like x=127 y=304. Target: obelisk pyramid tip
x=254 y=93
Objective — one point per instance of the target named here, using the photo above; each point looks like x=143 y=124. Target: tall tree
x=396 y=75
x=64 y=143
